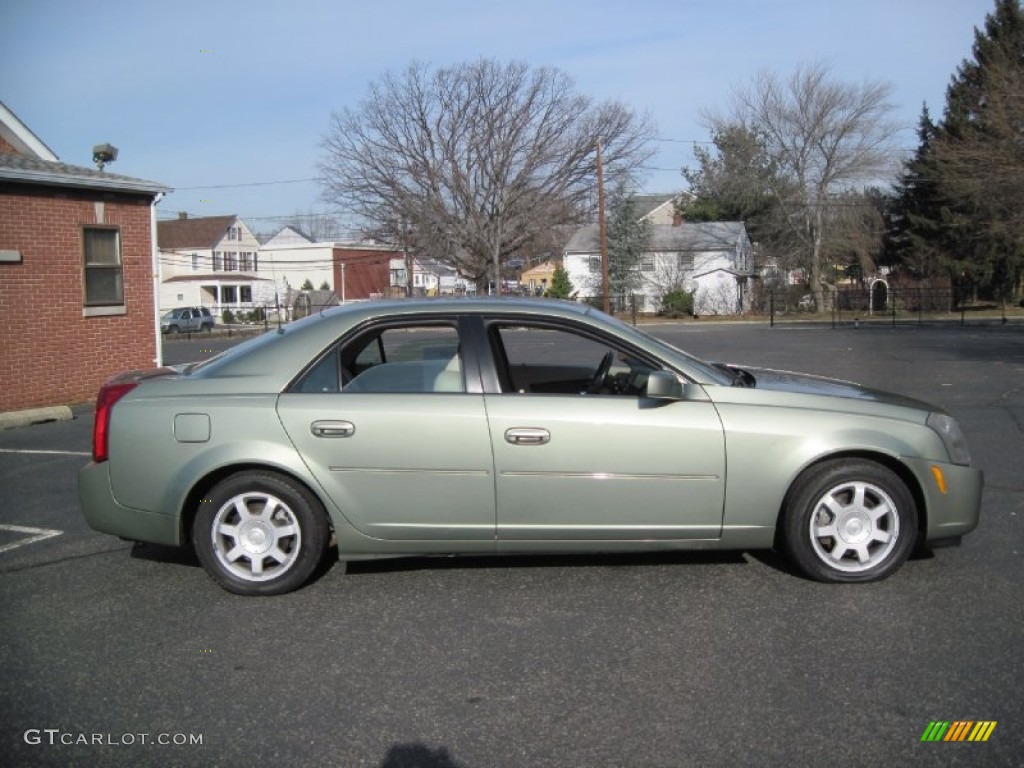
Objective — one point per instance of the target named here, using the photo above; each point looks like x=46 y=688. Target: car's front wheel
x=259 y=533
x=849 y=521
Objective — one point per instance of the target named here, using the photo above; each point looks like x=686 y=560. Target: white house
x=429 y=278
x=290 y=259
x=211 y=261
x=713 y=260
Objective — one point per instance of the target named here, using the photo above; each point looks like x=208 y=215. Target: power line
x=248 y=184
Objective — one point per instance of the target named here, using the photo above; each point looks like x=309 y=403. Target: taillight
x=109 y=394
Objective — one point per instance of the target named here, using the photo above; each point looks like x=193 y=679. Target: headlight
x=952 y=437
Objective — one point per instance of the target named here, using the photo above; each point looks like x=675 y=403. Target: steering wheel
x=601 y=375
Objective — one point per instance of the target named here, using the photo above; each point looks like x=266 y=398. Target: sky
x=227 y=102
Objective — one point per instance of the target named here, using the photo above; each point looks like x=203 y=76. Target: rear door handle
x=332 y=428
x=527 y=436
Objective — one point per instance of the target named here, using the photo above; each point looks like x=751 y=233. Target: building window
x=245 y=261
x=234 y=233
x=245 y=294
x=195 y=262
x=647 y=263
x=594 y=265
x=230 y=262
x=104 y=282
x=217 y=261
x=229 y=294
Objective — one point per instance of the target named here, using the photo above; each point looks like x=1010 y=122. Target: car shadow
x=157 y=553
x=511 y=561
x=184 y=556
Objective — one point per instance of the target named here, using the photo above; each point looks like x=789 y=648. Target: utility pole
x=603 y=235
x=408 y=258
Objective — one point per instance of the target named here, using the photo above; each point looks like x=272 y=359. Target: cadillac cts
x=497 y=426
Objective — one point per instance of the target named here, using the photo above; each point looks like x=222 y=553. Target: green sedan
x=469 y=426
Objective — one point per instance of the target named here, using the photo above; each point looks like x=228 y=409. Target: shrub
x=677 y=303
x=227 y=316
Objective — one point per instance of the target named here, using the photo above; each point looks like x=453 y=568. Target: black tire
x=254 y=556
x=174 y=329
x=849 y=520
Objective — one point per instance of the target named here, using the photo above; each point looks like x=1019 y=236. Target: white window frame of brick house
x=96 y=264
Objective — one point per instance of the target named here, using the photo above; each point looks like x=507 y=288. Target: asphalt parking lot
x=122 y=654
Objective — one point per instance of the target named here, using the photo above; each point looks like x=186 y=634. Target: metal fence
x=846 y=306
x=896 y=304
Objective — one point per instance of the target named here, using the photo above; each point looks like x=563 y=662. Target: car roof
x=276 y=356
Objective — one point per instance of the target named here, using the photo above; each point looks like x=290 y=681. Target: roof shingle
x=204 y=232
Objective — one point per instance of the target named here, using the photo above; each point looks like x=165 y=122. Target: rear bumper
x=104 y=514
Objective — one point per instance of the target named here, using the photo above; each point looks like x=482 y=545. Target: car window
x=395 y=359
x=539 y=359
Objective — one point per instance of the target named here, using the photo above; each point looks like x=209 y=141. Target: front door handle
x=332 y=428
x=527 y=436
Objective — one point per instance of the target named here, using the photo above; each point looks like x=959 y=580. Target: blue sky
x=202 y=96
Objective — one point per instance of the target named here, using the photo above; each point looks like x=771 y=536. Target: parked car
x=429 y=427
x=184 y=319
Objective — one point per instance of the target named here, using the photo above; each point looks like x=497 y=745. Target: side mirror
x=662 y=385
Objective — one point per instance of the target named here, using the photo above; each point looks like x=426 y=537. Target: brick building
x=76 y=274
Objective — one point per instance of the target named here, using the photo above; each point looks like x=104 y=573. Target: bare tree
x=318 y=227
x=476 y=159
x=825 y=138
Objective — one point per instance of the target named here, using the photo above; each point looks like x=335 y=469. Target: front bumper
x=954 y=510
x=104 y=514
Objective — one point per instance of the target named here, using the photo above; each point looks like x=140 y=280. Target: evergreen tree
x=914 y=220
x=961 y=195
x=561 y=285
x=628 y=239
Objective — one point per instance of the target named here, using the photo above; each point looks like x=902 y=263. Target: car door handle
x=332 y=428
x=527 y=436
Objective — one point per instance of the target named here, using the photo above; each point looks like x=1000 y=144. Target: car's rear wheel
x=849 y=521
x=259 y=533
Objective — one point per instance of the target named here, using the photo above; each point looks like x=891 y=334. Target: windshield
x=707 y=371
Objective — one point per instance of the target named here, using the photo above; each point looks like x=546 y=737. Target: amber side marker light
x=940 y=480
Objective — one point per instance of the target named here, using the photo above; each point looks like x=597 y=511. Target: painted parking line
x=34 y=535
x=45 y=453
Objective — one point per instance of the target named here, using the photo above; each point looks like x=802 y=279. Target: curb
x=12 y=419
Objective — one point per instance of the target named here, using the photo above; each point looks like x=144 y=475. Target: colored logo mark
x=958 y=730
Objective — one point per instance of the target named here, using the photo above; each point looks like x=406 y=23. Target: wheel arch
x=190 y=506
x=901 y=470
